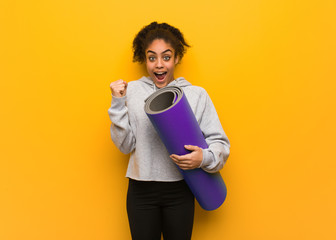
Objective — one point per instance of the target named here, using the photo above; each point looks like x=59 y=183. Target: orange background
x=269 y=67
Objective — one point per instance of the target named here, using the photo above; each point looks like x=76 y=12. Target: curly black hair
x=154 y=31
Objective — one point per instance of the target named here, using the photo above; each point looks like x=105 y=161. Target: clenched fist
x=118 y=88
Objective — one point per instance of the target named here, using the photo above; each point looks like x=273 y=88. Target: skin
x=160 y=57
x=191 y=160
x=118 y=88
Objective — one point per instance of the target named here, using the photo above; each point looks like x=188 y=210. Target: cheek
x=150 y=72
x=148 y=67
x=171 y=67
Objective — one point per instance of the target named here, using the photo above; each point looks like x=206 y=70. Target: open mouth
x=160 y=75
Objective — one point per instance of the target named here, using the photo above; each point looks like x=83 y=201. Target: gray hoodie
x=132 y=132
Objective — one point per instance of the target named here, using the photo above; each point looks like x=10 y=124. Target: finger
x=122 y=90
x=182 y=157
x=124 y=87
x=174 y=159
x=180 y=163
x=185 y=167
x=125 y=84
x=118 y=82
x=119 y=87
x=191 y=147
x=121 y=84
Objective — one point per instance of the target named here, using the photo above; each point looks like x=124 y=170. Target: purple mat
x=171 y=115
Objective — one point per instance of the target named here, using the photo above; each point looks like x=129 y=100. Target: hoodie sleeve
x=121 y=131
x=215 y=156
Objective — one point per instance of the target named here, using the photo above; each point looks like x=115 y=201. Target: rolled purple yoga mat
x=171 y=115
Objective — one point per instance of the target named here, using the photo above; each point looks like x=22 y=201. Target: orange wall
x=269 y=67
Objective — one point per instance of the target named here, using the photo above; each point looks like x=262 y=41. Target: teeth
x=161 y=73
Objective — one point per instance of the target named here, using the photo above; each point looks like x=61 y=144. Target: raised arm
x=121 y=131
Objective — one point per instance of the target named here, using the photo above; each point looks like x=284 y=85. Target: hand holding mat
x=171 y=115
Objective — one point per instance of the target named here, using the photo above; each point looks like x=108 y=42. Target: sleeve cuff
x=206 y=158
x=118 y=102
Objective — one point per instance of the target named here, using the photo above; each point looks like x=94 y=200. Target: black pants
x=160 y=207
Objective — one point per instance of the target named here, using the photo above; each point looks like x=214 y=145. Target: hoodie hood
x=180 y=82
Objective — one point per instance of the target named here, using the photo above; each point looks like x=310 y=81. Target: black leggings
x=160 y=207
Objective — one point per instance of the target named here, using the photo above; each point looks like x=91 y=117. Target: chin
x=161 y=84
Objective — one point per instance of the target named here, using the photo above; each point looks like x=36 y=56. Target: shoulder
x=138 y=91
x=197 y=96
x=142 y=83
x=196 y=91
x=135 y=83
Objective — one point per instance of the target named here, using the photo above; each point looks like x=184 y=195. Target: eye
x=151 y=59
x=166 y=58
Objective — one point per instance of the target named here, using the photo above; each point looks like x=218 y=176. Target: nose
x=159 y=63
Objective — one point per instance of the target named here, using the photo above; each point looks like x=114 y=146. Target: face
x=160 y=62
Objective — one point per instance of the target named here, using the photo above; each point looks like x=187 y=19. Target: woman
x=158 y=199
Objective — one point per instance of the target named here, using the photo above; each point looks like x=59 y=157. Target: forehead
x=159 y=46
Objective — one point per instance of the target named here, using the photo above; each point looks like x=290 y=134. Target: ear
x=177 y=59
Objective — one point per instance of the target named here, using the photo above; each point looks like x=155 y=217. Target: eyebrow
x=168 y=50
